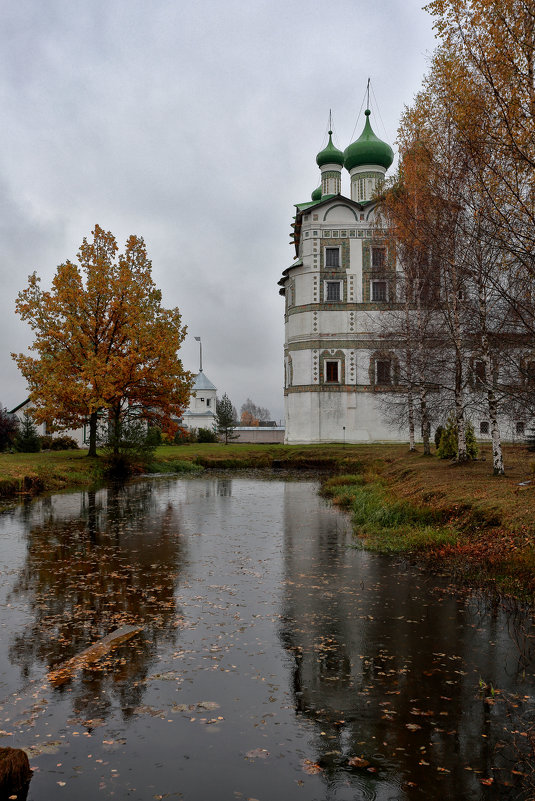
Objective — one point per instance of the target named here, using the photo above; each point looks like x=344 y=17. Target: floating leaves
x=257 y=753
x=312 y=768
x=357 y=762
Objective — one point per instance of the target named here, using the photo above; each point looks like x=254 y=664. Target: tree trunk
x=462 y=455
x=426 y=423
x=497 y=455
x=93 y=434
x=116 y=431
x=410 y=404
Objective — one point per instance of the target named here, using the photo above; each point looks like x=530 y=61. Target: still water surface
x=276 y=662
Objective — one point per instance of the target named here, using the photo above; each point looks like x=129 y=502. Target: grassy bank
x=454 y=517
x=458 y=517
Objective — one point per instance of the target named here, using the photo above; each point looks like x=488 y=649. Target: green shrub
x=154 y=436
x=27 y=439
x=438 y=434
x=126 y=449
x=185 y=436
x=63 y=443
x=448 y=445
x=207 y=435
x=471 y=442
x=46 y=442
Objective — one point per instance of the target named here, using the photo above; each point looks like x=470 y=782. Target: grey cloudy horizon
x=195 y=126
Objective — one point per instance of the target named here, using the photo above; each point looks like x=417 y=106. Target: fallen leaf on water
x=208 y=705
x=257 y=753
x=357 y=762
x=487 y=782
x=412 y=726
x=311 y=767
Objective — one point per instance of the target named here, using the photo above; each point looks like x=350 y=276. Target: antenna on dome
x=330 y=121
x=368 y=94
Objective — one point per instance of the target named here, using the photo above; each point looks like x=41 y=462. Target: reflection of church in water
x=373 y=653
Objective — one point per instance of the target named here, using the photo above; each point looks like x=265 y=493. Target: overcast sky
x=196 y=126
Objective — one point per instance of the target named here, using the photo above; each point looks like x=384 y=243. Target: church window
x=208 y=401
x=520 y=427
x=379 y=291
x=332 y=257
x=484 y=427
x=378 y=257
x=382 y=372
x=332 y=372
x=332 y=290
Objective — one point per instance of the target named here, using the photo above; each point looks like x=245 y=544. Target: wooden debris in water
x=92 y=654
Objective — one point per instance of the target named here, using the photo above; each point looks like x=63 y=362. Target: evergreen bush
x=154 y=436
x=207 y=435
x=27 y=439
x=126 y=448
x=471 y=441
x=448 y=446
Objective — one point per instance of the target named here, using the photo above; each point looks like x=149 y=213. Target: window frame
x=373 y=284
x=484 y=428
x=338 y=363
x=333 y=248
x=390 y=376
x=376 y=249
x=333 y=281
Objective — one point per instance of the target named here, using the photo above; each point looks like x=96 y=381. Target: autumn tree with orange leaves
x=103 y=342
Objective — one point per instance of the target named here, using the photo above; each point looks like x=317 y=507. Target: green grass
x=383 y=523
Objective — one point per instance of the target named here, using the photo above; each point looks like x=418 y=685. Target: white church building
x=341 y=281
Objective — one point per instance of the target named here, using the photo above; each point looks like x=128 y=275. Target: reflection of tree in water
x=116 y=563
x=387 y=672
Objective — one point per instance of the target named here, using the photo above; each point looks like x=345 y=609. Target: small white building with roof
x=201 y=413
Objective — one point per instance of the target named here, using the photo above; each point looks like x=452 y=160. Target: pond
x=276 y=660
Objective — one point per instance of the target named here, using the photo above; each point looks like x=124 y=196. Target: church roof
x=368 y=149
x=201 y=382
x=330 y=154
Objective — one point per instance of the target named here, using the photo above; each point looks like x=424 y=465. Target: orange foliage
x=102 y=339
x=248 y=419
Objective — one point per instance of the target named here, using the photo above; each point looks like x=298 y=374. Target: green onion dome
x=330 y=155
x=316 y=194
x=368 y=149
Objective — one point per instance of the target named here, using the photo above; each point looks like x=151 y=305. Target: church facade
x=342 y=281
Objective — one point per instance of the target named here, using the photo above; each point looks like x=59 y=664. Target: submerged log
x=14 y=771
x=67 y=669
